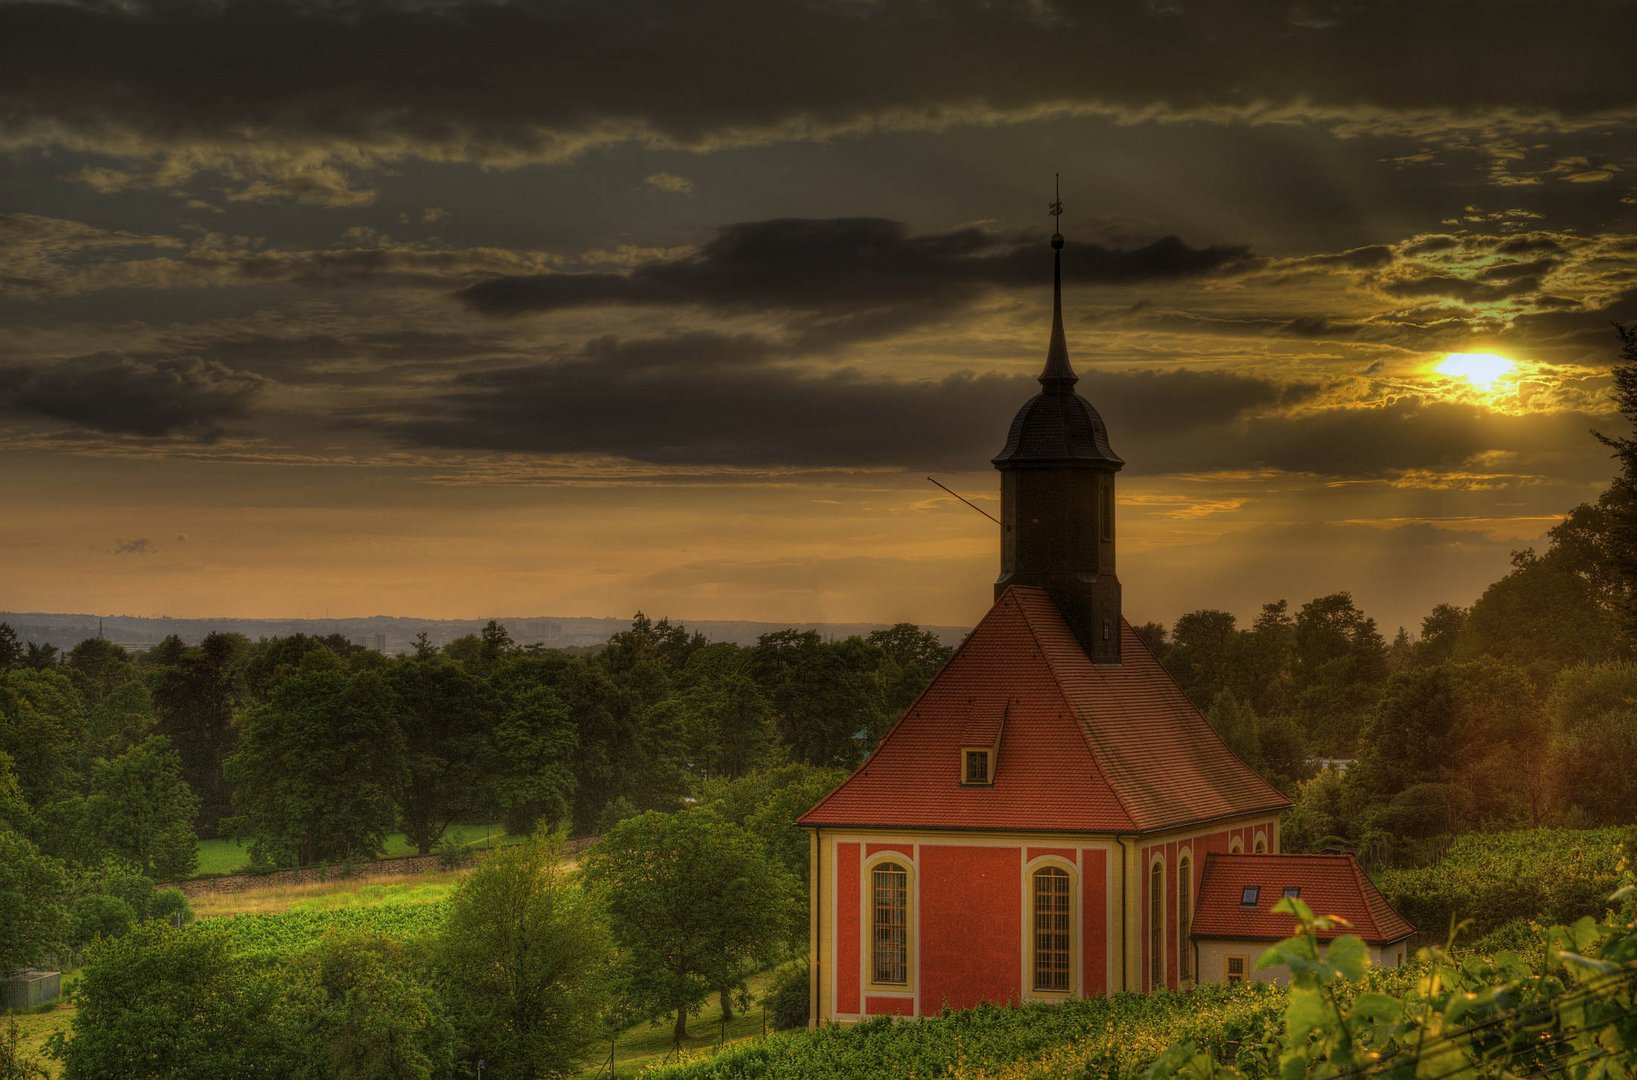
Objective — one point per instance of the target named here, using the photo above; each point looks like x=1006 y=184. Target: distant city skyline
x=458 y=308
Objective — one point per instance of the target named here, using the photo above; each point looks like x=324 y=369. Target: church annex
x=1037 y=826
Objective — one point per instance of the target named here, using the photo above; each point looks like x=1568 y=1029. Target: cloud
x=195 y=90
x=140 y=546
x=670 y=182
x=122 y=395
x=813 y=264
x=709 y=399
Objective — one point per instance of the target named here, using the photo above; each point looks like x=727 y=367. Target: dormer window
x=1250 y=895
x=1292 y=891
x=978 y=767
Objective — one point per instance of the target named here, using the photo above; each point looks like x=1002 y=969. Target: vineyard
x=1497 y=879
x=274 y=936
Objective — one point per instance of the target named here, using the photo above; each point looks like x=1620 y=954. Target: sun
x=1481 y=369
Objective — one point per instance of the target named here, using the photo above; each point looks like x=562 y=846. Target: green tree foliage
x=120 y=719
x=1203 y=654
x=695 y=904
x=1593 y=735
x=1616 y=536
x=445 y=714
x=34 y=918
x=41 y=724
x=97 y=666
x=319 y=769
x=528 y=761
x=828 y=700
x=360 y=1013
x=140 y=810
x=522 y=960
x=100 y=916
x=1338 y=662
x=195 y=693
x=1541 y=617
x=159 y=1003
x=11 y=650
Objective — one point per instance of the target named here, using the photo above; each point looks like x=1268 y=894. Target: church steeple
x=1057 y=494
x=1059 y=376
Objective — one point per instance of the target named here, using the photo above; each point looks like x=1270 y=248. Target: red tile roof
x=1330 y=885
x=1085 y=747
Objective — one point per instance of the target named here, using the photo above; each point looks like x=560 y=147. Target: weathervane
x=1056 y=209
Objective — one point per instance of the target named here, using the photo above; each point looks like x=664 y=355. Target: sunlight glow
x=1482 y=370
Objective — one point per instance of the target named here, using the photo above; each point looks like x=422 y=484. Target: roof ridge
x=1094 y=749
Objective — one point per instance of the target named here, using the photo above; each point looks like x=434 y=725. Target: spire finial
x=1059 y=376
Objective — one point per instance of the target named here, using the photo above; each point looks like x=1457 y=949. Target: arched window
x=1261 y=843
x=1051 y=929
x=889 y=925
x=1156 y=925
x=1236 y=845
x=1185 y=903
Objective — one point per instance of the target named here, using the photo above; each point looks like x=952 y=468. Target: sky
x=465 y=309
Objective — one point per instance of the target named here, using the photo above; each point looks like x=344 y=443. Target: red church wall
x=906 y=850
x=1094 y=898
x=971 y=926
x=1198 y=846
x=1061 y=852
x=847 y=932
x=889 y=1006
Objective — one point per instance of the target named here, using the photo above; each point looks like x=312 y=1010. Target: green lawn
x=230 y=857
x=638 y=1047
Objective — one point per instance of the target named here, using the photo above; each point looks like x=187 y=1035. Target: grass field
x=363 y=890
x=218 y=857
x=639 y=1047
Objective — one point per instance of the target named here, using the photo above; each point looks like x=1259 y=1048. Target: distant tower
x=1057 y=495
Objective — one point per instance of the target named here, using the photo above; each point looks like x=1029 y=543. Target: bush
x=787 y=998
x=15 y=1062
x=101 y=916
x=171 y=905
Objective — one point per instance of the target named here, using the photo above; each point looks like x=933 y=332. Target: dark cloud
x=499 y=80
x=140 y=546
x=1466 y=289
x=129 y=396
x=848 y=264
x=699 y=399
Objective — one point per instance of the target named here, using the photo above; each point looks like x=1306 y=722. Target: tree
x=1439 y=632
x=695 y=904
x=360 y=1012
x=1619 y=504
x=1542 y=617
x=528 y=762
x=1593 y=715
x=318 y=770
x=162 y=1003
x=123 y=717
x=97 y=666
x=11 y=651
x=141 y=810
x=444 y=713
x=829 y=708
x=910 y=657
x=522 y=963
x=1338 y=663
x=34 y=919
x=1202 y=654
x=42 y=722
x=195 y=693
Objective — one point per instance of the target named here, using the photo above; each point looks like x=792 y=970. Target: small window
x=977 y=767
x=1261 y=846
x=1185 y=904
x=1250 y=895
x=1292 y=891
x=1235 y=969
x=1156 y=926
x=1236 y=846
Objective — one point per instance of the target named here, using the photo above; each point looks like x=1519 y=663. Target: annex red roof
x=1329 y=884
x=1104 y=748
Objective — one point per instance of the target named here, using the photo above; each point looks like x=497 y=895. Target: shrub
x=787 y=998
x=100 y=916
x=171 y=905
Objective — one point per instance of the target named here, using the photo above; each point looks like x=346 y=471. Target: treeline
x=314 y=750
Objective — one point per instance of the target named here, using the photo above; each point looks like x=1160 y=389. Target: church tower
x=1057 y=496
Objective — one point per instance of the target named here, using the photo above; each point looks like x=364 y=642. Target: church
x=1053 y=818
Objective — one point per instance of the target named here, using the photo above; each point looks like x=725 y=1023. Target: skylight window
x=1293 y=891
x=1250 y=895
